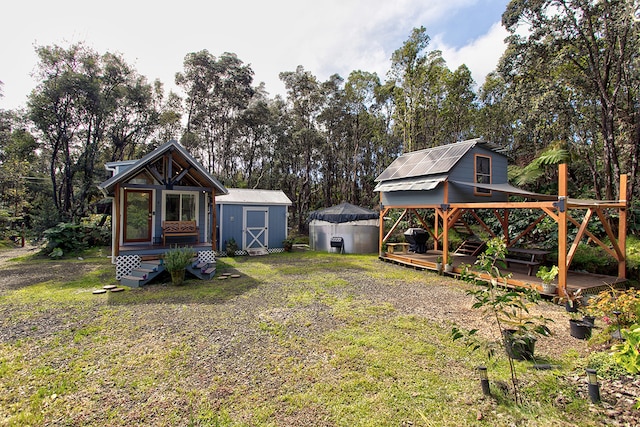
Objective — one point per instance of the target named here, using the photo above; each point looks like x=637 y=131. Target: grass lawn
x=300 y=339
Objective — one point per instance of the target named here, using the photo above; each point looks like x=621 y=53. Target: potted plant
x=448 y=267
x=287 y=244
x=176 y=261
x=548 y=275
x=572 y=300
x=439 y=263
x=231 y=247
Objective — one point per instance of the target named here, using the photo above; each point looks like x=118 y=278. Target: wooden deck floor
x=147 y=249
x=589 y=283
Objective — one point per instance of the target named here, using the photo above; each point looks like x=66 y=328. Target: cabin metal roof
x=183 y=158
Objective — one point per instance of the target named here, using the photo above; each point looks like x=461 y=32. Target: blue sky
x=325 y=37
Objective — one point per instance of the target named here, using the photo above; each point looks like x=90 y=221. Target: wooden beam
x=576 y=241
x=528 y=229
x=424 y=223
x=394 y=226
x=593 y=237
x=622 y=228
x=482 y=223
x=551 y=214
x=612 y=237
x=436 y=226
x=562 y=230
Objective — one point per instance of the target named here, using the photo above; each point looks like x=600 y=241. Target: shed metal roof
x=430 y=161
x=247 y=196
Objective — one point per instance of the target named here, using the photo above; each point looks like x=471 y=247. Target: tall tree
x=593 y=47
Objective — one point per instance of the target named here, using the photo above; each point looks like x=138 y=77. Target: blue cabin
x=465 y=172
x=257 y=220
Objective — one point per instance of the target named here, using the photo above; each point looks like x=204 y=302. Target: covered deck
x=519 y=275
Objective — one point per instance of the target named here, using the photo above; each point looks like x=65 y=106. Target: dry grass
x=299 y=339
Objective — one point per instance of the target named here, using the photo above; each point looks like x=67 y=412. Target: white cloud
x=333 y=36
x=480 y=56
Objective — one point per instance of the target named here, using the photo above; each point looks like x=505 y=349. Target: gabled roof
x=430 y=161
x=179 y=154
x=246 y=196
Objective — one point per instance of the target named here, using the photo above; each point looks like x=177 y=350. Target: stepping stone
x=223 y=277
x=235 y=276
x=117 y=289
x=226 y=274
x=109 y=287
x=99 y=291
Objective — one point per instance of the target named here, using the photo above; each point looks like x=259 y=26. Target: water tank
x=357 y=227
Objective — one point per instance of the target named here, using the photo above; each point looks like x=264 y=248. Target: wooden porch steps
x=472 y=247
x=202 y=270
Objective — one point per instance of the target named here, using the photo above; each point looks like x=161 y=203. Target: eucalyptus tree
x=459 y=106
x=494 y=119
x=304 y=103
x=87 y=108
x=591 y=50
x=217 y=91
x=256 y=140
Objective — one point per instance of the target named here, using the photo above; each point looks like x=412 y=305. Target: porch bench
x=530 y=264
x=392 y=247
x=179 y=228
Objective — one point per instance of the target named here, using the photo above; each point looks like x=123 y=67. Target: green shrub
x=594 y=259
x=69 y=237
x=605 y=364
x=627 y=353
x=177 y=259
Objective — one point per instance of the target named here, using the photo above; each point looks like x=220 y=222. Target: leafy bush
x=605 y=364
x=177 y=259
x=69 y=237
x=625 y=302
x=594 y=259
x=627 y=353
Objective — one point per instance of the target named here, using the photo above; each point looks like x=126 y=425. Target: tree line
x=566 y=89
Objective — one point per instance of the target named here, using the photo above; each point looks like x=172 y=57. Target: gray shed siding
x=413 y=198
x=230 y=223
x=464 y=171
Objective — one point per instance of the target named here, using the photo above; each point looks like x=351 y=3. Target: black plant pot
x=580 y=329
x=518 y=347
x=590 y=320
x=571 y=306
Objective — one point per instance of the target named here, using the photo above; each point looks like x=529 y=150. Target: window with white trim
x=180 y=207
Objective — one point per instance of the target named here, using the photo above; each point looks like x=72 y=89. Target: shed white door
x=255 y=228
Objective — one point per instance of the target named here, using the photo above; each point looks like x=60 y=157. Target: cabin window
x=180 y=207
x=483 y=174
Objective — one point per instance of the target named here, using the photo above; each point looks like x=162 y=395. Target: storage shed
x=355 y=227
x=256 y=219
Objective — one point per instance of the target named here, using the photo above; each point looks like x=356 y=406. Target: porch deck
x=148 y=249
x=589 y=283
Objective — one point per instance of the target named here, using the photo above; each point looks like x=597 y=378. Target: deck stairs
x=473 y=246
x=137 y=270
x=203 y=270
x=149 y=269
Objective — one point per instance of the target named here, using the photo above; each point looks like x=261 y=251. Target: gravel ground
x=445 y=304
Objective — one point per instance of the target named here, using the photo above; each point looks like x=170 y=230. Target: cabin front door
x=137 y=215
x=256 y=231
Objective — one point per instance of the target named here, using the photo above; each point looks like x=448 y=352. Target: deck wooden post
x=622 y=228
x=115 y=240
x=562 y=229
